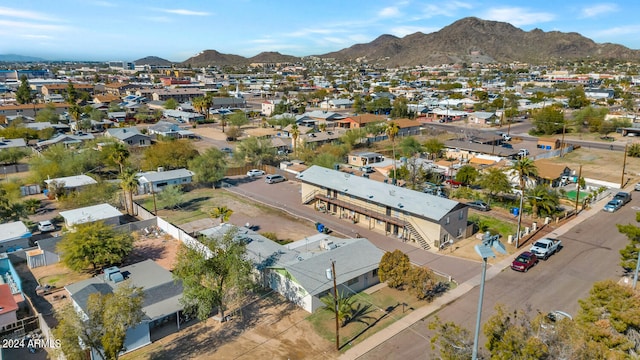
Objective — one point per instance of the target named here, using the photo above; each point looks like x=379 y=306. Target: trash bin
x=516 y=211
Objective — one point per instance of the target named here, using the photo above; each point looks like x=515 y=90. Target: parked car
x=46 y=226
x=613 y=205
x=625 y=197
x=227 y=150
x=479 y=205
x=546 y=247
x=523 y=152
x=637 y=187
x=454 y=183
x=275 y=178
x=507 y=146
x=524 y=261
x=255 y=172
x=553 y=317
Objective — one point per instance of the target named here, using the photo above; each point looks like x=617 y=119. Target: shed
x=548 y=143
x=103 y=212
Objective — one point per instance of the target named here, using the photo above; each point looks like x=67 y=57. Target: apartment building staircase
x=416 y=235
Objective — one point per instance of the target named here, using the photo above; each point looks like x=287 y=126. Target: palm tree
x=391 y=129
x=120 y=155
x=129 y=183
x=525 y=167
x=295 y=132
x=345 y=306
x=197 y=104
x=221 y=212
x=543 y=201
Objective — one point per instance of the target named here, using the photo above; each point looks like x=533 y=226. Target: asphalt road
x=590 y=254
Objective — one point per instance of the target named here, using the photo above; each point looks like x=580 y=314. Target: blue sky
x=177 y=30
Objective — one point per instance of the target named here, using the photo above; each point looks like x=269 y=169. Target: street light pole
x=635 y=276
x=474 y=353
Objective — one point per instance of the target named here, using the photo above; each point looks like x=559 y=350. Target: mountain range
x=468 y=40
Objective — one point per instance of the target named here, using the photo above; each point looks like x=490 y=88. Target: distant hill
x=273 y=57
x=19 y=58
x=153 y=60
x=475 y=40
x=212 y=57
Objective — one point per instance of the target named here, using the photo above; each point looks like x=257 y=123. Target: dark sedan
x=524 y=261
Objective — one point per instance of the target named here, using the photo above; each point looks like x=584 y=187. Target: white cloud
x=445 y=8
x=619 y=30
x=308 y=32
x=185 y=12
x=36 y=36
x=20 y=25
x=23 y=14
x=401 y=31
x=517 y=16
x=390 y=11
x=597 y=10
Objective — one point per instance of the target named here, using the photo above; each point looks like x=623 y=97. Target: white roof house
x=155 y=181
x=14 y=235
x=73 y=182
x=102 y=212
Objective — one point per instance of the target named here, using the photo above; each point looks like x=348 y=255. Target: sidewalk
x=387 y=333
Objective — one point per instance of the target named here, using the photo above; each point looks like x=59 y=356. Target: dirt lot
x=269 y=328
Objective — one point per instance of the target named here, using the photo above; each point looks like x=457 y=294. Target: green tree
x=590 y=117
x=129 y=183
x=209 y=167
x=48 y=114
x=171 y=196
x=103 y=325
x=524 y=168
x=326 y=160
x=421 y=282
x=119 y=154
x=453 y=341
x=634 y=150
x=13 y=155
x=23 y=93
x=94 y=246
x=345 y=306
x=467 y=174
x=610 y=319
x=400 y=108
x=170 y=104
x=577 y=98
x=214 y=275
x=255 y=151
x=548 y=121
x=394 y=268
x=221 y=212
x=169 y=154
x=409 y=146
x=71 y=95
x=543 y=200
x=494 y=181
x=391 y=130
x=295 y=133
x=238 y=119
x=358 y=104
x=10 y=210
x=629 y=254
x=510 y=335
x=433 y=147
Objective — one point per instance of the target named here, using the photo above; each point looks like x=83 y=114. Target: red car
x=524 y=261
x=453 y=183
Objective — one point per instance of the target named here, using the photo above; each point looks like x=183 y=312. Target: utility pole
x=564 y=129
x=335 y=302
x=624 y=165
x=155 y=206
x=578 y=191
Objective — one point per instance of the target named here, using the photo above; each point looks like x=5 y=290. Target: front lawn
x=374 y=312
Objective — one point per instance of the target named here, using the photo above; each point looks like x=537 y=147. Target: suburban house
x=13 y=236
x=363 y=158
x=550 y=173
x=298 y=270
x=31 y=109
x=155 y=181
x=71 y=183
x=180 y=94
x=408 y=127
x=8 y=307
x=61 y=89
x=12 y=144
x=130 y=136
x=406 y=214
x=164 y=128
x=336 y=104
x=161 y=306
x=482 y=117
x=66 y=139
x=183 y=116
x=102 y=212
x=358 y=121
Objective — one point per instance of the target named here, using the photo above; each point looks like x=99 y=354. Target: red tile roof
x=7 y=302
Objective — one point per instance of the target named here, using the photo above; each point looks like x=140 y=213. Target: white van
x=275 y=178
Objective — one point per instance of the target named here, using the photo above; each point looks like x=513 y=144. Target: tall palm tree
x=525 y=167
x=197 y=104
x=207 y=101
x=120 y=155
x=345 y=306
x=391 y=129
x=221 y=212
x=129 y=183
x=543 y=200
x=295 y=132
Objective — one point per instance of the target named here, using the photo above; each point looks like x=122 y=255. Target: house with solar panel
x=430 y=221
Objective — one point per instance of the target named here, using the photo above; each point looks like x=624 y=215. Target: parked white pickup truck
x=546 y=247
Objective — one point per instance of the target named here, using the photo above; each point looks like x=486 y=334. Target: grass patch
x=571 y=195
x=493 y=225
x=374 y=312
